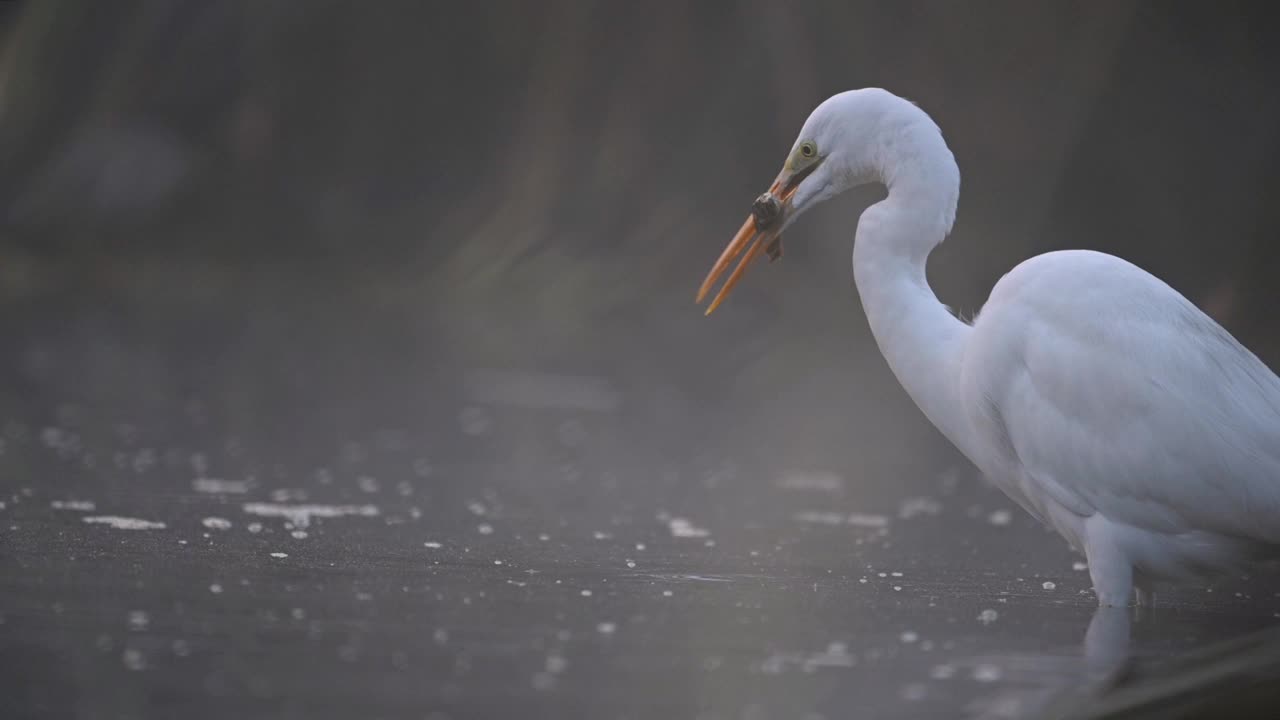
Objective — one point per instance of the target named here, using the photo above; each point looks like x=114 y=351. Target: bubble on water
x=138 y=620
x=988 y=616
x=914 y=692
x=942 y=672
x=1079 y=566
x=631 y=563
x=986 y=672
x=433 y=545
x=353 y=453
x=1048 y=585
x=144 y=460
x=475 y=421
x=556 y=664
x=484 y=529
x=279 y=555
x=683 y=528
x=216 y=523
x=585 y=593
x=572 y=433
x=284 y=495
x=133 y=659
x=909 y=637
x=543 y=681
x=607 y=628
x=52 y=437
x=400 y=660
x=1000 y=517
x=215 y=588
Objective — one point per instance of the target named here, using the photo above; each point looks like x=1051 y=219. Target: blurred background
x=543 y=185
x=455 y=246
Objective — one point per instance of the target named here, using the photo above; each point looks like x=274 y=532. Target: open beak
x=762 y=231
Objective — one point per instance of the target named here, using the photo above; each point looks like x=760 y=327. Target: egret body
x=1096 y=396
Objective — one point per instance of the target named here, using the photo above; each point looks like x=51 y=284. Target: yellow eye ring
x=808 y=150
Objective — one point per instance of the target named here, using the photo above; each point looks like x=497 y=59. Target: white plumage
x=1096 y=396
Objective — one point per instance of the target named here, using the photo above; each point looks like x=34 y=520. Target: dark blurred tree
x=562 y=150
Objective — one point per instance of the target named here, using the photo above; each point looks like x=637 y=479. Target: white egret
x=1096 y=396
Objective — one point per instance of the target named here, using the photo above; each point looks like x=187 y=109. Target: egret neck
x=918 y=336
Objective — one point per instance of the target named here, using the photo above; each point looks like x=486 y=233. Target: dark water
x=296 y=511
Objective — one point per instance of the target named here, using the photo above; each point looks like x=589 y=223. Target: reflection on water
x=1232 y=677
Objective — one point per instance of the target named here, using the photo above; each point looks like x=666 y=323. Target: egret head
x=853 y=138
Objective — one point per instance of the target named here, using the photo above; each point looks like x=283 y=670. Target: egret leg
x=1109 y=566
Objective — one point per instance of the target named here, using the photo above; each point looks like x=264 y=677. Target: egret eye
x=808 y=150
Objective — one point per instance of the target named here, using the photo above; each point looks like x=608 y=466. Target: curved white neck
x=918 y=336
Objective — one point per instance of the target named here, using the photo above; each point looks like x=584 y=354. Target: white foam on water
x=683 y=528
x=862 y=520
x=820 y=518
x=123 y=523
x=301 y=515
x=77 y=505
x=218 y=486
x=817 y=481
x=867 y=521
x=835 y=656
x=914 y=506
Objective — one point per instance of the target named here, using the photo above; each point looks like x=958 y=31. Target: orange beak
x=762 y=231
